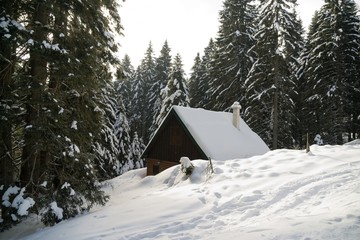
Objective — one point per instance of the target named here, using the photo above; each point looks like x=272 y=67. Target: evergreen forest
x=73 y=115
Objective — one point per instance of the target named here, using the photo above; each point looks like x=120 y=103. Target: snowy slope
x=284 y=194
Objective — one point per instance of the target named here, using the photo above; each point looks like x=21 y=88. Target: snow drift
x=284 y=194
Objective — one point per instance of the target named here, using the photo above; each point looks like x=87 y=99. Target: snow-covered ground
x=284 y=194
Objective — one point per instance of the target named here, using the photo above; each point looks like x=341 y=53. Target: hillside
x=284 y=194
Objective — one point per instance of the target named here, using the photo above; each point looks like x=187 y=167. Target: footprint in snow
x=252 y=198
x=336 y=219
x=265 y=167
x=202 y=199
x=218 y=171
x=218 y=195
x=257 y=192
x=245 y=175
x=259 y=176
x=234 y=165
x=274 y=174
x=250 y=213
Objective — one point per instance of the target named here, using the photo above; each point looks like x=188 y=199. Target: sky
x=281 y=195
x=187 y=25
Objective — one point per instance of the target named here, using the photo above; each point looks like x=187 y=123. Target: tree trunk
x=6 y=69
x=275 y=107
x=34 y=154
x=7 y=166
x=275 y=120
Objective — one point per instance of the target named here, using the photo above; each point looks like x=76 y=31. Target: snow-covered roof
x=217 y=136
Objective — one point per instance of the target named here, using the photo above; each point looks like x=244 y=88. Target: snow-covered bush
x=15 y=205
x=318 y=140
x=67 y=202
x=186 y=166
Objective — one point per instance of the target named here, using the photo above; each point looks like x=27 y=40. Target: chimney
x=236 y=114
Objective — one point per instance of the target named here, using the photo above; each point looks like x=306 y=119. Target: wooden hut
x=200 y=134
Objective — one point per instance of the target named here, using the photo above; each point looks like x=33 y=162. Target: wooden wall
x=154 y=166
x=170 y=144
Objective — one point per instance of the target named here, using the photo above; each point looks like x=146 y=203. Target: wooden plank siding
x=154 y=166
x=171 y=142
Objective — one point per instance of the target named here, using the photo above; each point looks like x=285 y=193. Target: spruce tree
x=270 y=83
x=66 y=64
x=106 y=144
x=199 y=83
x=147 y=75
x=137 y=148
x=306 y=119
x=350 y=49
x=138 y=106
x=162 y=71
x=124 y=76
x=12 y=35
x=331 y=60
x=194 y=82
x=122 y=134
x=34 y=152
x=176 y=91
x=293 y=56
x=234 y=56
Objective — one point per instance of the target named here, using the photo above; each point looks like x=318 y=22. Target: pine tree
x=137 y=106
x=176 y=91
x=333 y=55
x=129 y=92
x=137 y=147
x=194 y=82
x=270 y=85
x=34 y=151
x=83 y=73
x=293 y=56
x=234 y=56
x=66 y=65
x=304 y=117
x=106 y=144
x=122 y=133
x=12 y=35
x=350 y=49
x=124 y=76
x=199 y=83
x=145 y=74
x=162 y=71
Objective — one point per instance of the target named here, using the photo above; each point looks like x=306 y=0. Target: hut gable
x=200 y=134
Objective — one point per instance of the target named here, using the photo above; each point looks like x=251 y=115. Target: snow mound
x=354 y=142
x=284 y=194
